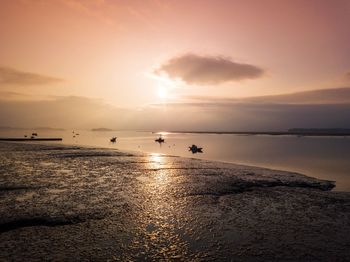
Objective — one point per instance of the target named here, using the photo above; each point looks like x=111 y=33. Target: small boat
x=34 y=134
x=160 y=140
x=113 y=139
x=195 y=149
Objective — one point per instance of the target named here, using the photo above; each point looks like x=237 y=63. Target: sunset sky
x=148 y=60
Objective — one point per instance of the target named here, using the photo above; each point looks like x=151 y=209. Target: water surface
x=320 y=157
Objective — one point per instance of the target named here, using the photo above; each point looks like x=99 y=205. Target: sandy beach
x=69 y=203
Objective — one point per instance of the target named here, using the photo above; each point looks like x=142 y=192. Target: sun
x=164 y=87
x=162 y=92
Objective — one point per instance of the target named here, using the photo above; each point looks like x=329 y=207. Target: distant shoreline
x=270 y=133
x=102 y=129
x=31 y=139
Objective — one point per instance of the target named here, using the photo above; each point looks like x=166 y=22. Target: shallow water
x=321 y=157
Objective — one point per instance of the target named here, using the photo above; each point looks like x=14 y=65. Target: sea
x=321 y=157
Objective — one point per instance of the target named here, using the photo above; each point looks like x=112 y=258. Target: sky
x=173 y=64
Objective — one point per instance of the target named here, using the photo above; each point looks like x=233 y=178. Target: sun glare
x=162 y=92
x=164 y=86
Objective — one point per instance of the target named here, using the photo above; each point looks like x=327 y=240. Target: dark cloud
x=317 y=108
x=9 y=95
x=212 y=114
x=255 y=117
x=11 y=76
x=196 y=69
x=68 y=111
x=347 y=76
x=321 y=96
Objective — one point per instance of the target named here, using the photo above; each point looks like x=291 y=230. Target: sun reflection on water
x=157 y=163
x=159 y=218
x=156 y=158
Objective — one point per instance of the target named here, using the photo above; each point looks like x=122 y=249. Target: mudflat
x=74 y=203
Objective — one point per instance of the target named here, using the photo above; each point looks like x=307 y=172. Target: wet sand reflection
x=160 y=219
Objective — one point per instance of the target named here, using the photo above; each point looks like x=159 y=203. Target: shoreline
x=268 y=133
x=145 y=153
x=17 y=139
x=66 y=201
x=243 y=164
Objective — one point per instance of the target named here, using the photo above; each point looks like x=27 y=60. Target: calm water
x=321 y=157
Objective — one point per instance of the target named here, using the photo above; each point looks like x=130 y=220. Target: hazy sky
x=148 y=55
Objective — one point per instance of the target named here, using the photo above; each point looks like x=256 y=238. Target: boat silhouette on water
x=195 y=149
x=159 y=140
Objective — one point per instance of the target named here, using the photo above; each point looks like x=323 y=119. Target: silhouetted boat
x=160 y=140
x=194 y=149
x=113 y=139
x=34 y=134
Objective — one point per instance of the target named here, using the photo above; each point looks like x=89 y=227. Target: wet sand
x=67 y=203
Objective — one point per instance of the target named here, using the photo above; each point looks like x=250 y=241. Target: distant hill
x=320 y=130
x=9 y=128
x=47 y=128
x=101 y=129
